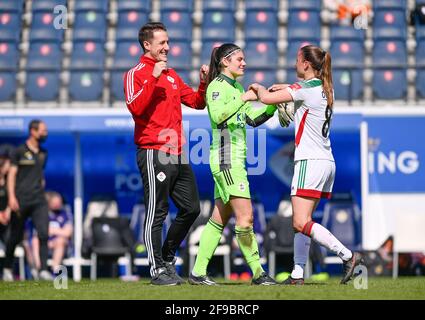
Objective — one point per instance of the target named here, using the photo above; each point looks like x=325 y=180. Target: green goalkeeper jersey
x=229 y=116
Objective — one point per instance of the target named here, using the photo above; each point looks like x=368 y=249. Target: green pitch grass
x=378 y=288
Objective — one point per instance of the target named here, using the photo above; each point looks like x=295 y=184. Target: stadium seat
x=347 y=53
x=218 y=25
x=9 y=55
x=420 y=83
x=86 y=85
x=87 y=55
x=420 y=54
x=7 y=85
x=207 y=47
x=349 y=33
x=389 y=53
x=11 y=6
x=177 y=5
x=389 y=83
x=292 y=51
x=179 y=24
x=304 y=25
x=269 y=5
x=264 y=77
x=219 y=5
x=95 y=5
x=44 y=56
x=305 y=5
x=126 y=55
x=42 y=85
x=390 y=24
x=180 y=55
x=129 y=23
x=42 y=27
x=46 y=5
x=137 y=5
x=117 y=84
x=261 y=54
x=420 y=32
x=10 y=24
x=90 y=25
x=261 y=25
x=348 y=83
x=390 y=4
x=291 y=75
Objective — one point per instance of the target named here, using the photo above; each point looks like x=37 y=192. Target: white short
x=313 y=178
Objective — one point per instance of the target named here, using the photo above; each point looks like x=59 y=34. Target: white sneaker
x=34 y=274
x=45 y=275
x=7 y=275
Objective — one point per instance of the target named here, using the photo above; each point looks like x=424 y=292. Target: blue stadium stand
x=128 y=25
x=138 y=5
x=293 y=47
x=389 y=53
x=46 y=5
x=180 y=55
x=87 y=55
x=269 y=5
x=390 y=24
x=44 y=56
x=207 y=47
x=265 y=77
x=389 y=83
x=291 y=75
x=218 y=25
x=179 y=24
x=10 y=23
x=117 y=85
x=420 y=32
x=261 y=55
x=9 y=55
x=184 y=74
x=420 y=83
x=126 y=55
x=177 y=5
x=348 y=83
x=95 y=5
x=11 y=6
x=219 y=5
x=7 y=85
x=42 y=85
x=90 y=25
x=261 y=25
x=42 y=27
x=347 y=54
x=420 y=54
x=304 y=25
x=390 y=4
x=348 y=33
x=305 y=5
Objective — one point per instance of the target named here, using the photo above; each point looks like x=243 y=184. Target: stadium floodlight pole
x=78 y=209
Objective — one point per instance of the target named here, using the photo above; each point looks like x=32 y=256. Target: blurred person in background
x=5 y=152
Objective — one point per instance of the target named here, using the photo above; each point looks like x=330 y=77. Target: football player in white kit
x=314 y=171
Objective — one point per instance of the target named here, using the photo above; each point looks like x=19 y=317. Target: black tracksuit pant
x=164 y=176
x=40 y=218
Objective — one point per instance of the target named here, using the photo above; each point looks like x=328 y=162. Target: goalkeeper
x=229 y=111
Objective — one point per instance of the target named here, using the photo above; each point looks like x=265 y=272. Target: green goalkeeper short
x=231 y=182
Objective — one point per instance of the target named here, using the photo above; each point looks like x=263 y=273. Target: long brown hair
x=321 y=61
x=217 y=54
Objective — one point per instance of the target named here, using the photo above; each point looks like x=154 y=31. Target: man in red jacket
x=154 y=94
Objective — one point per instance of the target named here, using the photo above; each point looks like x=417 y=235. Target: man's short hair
x=34 y=124
x=146 y=32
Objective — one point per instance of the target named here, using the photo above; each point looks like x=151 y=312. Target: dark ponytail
x=217 y=54
x=321 y=63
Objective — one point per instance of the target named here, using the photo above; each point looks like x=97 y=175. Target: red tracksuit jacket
x=155 y=104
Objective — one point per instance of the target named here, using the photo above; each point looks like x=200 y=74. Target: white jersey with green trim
x=312 y=120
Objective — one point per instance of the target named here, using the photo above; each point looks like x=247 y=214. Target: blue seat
x=220 y=5
x=42 y=27
x=261 y=54
x=347 y=54
x=420 y=54
x=218 y=25
x=117 y=84
x=304 y=25
x=389 y=24
x=348 y=83
x=177 y=5
x=179 y=24
x=11 y=6
x=342 y=219
x=87 y=55
x=270 y=5
x=293 y=47
x=90 y=25
x=180 y=55
x=46 y=5
x=420 y=83
x=10 y=23
x=9 y=55
x=207 y=47
x=138 y=5
x=126 y=55
x=305 y=5
x=390 y=4
x=96 y=5
x=86 y=85
x=420 y=31
x=42 y=85
x=7 y=85
x=44 y=56
x=184 y=75
x=389 y=83
x=129 y=23
x=261 y=25
x=389 y=53
x=264 y=77
x=346 y=33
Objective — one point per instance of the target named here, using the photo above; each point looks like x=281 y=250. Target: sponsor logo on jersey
x=295 y=86
x=161 y=176
x=171 y=79
x=215 y=95
x=242 y=186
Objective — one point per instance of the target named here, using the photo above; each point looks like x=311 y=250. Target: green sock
x=210 y=238
x=249 y=247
